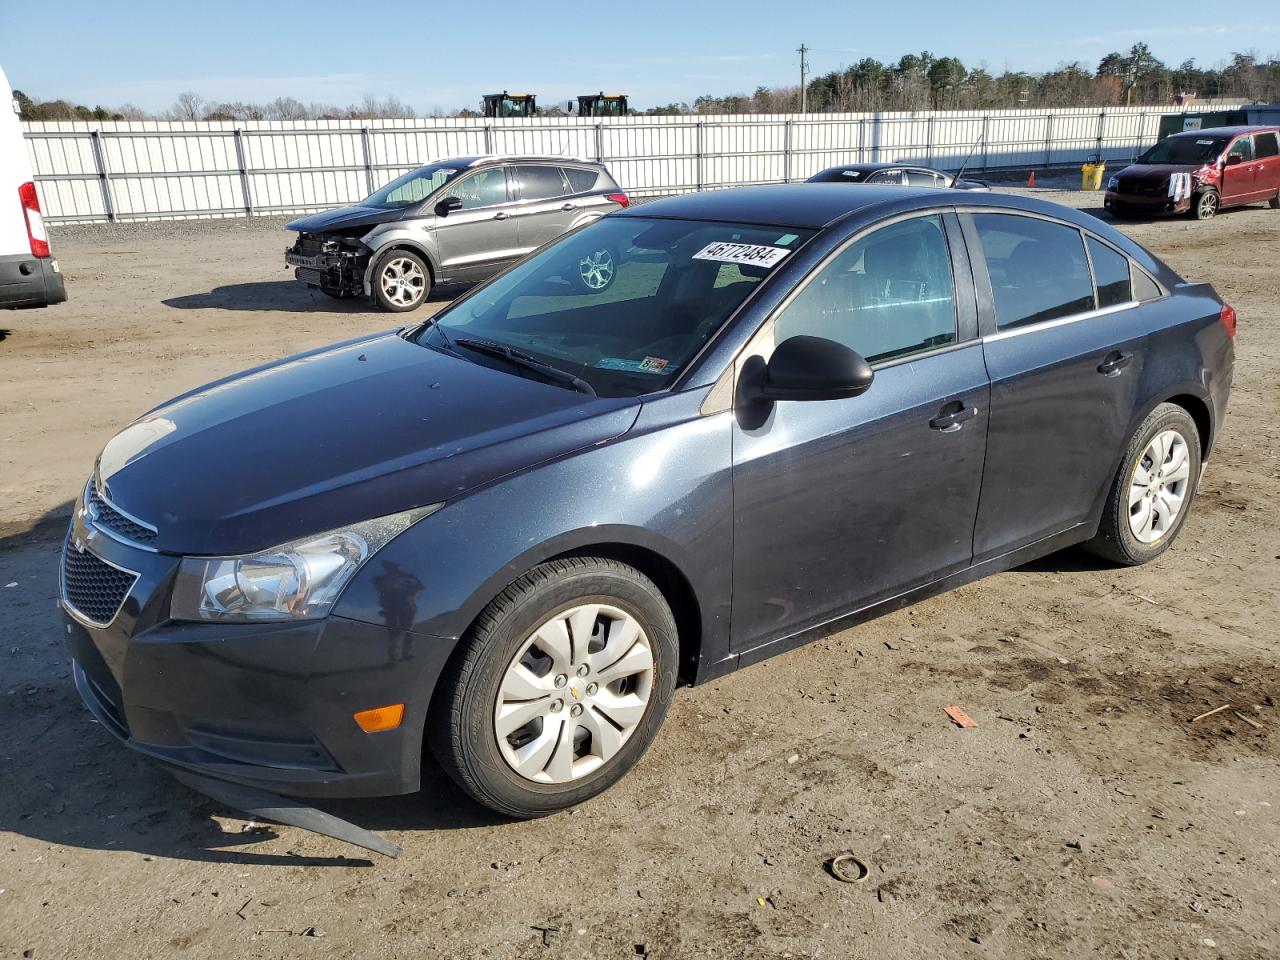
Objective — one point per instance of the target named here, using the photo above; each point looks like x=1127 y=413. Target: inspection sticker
x=755 y=255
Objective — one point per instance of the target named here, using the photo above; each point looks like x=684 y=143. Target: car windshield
x=624 y=304
x=414 y=187
x=1186 y=150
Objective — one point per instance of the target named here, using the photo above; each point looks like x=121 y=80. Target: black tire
x=1274 y=202
x=1115 y=539
x=1206 y=204
x=414 y=294
x=596 y=271
x=461 y=727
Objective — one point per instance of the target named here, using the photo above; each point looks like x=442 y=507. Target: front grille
x=310 y=244
x=103 y=514
x=92 y=587
x=1146 y=188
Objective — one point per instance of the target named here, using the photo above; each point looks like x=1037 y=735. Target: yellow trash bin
x=1091 y=176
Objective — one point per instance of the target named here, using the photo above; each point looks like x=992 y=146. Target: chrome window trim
x=1059 y=321
x=75 y=613
x=107 y=531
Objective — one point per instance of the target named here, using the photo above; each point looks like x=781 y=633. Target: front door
x=1064 y=376
x=545 y=209
x=1240 y=177
x=480 y=239
x=841 y=503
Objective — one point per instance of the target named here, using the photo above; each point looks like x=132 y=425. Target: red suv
x=1200 y=172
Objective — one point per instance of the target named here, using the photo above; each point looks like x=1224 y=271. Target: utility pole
x=804 y=74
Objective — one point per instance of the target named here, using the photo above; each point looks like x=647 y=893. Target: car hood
x=357 y=430
x=344 y=218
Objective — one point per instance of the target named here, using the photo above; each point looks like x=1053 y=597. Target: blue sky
x=446 y=55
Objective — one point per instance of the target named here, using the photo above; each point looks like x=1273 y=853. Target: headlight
x=1113 y=183
x=296 y=581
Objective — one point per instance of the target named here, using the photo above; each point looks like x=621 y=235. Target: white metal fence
x=160 y=170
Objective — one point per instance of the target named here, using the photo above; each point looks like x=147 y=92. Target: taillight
x=36 y=233
x=1228 y=317
x=619 y=198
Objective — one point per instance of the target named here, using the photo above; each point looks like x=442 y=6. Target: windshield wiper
x=526 y=362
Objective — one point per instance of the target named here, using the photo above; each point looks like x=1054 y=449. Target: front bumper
x=339 y=270
x=1141 y=205
x=265 y=705
x=27 y=281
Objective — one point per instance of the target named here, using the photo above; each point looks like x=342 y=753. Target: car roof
x=482 y=159
x=881 y=165
x=1224 y=131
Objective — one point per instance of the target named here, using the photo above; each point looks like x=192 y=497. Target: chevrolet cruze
x=505 y=535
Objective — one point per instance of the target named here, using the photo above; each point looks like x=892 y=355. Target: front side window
x=414 y=187
x=1110 y=274
x=888 y=295
x=1038 y=268
x=1242 y=148
x=482 y=189
x=539 y=183
x=675 y=284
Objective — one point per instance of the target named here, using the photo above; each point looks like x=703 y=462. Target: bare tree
x=189 y=106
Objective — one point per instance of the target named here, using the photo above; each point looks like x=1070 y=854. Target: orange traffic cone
x=1031 y=180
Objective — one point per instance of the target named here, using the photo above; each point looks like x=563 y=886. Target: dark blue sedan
x=507 y=534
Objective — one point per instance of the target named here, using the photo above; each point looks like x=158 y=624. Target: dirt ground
x=1086 y=816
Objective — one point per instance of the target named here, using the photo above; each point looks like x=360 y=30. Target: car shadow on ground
x=68 y=781
x=287 y=296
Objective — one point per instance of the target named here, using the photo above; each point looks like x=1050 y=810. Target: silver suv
x=453 y=221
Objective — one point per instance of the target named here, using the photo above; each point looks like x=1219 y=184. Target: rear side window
x=1110 y=274
x=888 y=295
x=1038 y=268
x=540 y=183
x=1144 y=288
x=897 y=177
x=1265 y=144
x=922 y=178
x=580 y=181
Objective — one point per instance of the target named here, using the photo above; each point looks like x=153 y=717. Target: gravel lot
x=1084 y=817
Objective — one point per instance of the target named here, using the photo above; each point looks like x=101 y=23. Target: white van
x=29 y=276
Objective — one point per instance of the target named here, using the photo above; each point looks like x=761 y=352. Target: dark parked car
x=1200 y=172
x=506 y=534
x=895 y=174
x=453 y=221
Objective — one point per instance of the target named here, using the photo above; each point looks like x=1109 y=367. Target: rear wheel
x=1274 y=202
x=1151 y=494
x=1206 y=205
x=401 y=281
x=561 y=687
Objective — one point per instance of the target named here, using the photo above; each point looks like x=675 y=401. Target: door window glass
x=481 y=189
x=1265 y=145
x=887 y=176
x=580 y=181
x=1038 y=268
x=1144 y=288
x=922 y=178
x=1110 y=274
x=888 y=295
x=540 y=183
x=1242 y=148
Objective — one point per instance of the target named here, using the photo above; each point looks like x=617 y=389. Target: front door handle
x=953 y=419
x=501 y=216
x=1115 y=363
x=569 y=206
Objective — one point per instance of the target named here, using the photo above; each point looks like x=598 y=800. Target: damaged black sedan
x=455 y=221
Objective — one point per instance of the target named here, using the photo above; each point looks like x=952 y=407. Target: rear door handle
x=501 y=216
x=1115 y=363
x=569 y=206
x=953 y=420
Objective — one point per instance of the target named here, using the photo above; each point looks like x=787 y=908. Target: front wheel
x=1206 y=205
x=562 y=685
x=1151 y=494
x=401 y=281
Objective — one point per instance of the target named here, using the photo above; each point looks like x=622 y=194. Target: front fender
x=403 y=235
x=664 y=487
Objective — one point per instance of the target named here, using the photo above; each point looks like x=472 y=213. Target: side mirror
x=813 y=368
x=1233 y=159
x=448 y=205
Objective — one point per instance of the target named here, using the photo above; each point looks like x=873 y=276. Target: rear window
x=580 y=181
x=1265 y=145
x=1038 y=268
x=1110 y=274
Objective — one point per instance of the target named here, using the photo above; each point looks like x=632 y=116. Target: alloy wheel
x=1208 y=205
x=596 y=269
x=403 y=282
x=1158 y=486
x=574 y=693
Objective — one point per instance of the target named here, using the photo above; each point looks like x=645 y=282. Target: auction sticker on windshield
x=752 y=254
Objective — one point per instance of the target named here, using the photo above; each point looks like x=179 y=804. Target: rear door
x=1240 y=179
x=480 y=239
x=841 y=503
x=1266 y=152
x=1064 y=374
x=544 y=209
